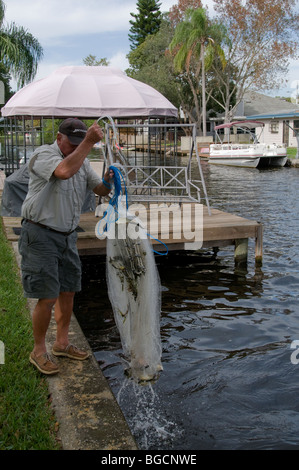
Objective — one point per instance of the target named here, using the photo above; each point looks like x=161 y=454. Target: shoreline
x=84 y=405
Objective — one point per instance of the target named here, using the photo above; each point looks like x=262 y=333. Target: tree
x=177 y=12
x=5 y=78
x=91 y=60
x=262 y=38
x=194 y=44
x=20 y=52
x=146 y=22
x=150 y=63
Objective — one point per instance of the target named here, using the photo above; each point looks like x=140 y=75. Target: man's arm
x=73 y=162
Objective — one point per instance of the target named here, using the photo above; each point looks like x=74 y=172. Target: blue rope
x=118 y=178
x=113 y=204
x=112 y=208
x=158 y=252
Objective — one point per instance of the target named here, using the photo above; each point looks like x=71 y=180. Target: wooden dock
x=219 y=229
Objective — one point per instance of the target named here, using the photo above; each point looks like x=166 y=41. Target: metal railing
x=155 y=167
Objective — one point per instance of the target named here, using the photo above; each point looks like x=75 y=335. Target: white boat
x=253 y=154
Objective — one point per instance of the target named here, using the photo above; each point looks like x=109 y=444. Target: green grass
x=26 y=418
x=291 y=152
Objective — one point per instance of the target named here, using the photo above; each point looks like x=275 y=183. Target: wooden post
x=259 y=244
x=241 y=250
x=2 y=93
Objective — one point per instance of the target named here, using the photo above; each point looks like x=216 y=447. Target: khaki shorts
x=50 y=262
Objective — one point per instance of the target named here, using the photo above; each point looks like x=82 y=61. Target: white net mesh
x=135 y=294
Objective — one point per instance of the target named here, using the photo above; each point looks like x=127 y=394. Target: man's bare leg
x=63 y=313
x=40 y=321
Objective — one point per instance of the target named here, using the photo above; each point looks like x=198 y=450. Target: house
x=281 y=118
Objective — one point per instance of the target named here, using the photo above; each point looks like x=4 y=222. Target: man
x=51 y=270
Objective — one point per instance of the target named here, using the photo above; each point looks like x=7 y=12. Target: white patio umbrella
x=88 y=92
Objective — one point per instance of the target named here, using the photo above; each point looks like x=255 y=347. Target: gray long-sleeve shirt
x=51 y=201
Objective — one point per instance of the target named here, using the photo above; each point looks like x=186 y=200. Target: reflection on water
x=228 y=380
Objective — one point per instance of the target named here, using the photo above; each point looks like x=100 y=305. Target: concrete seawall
x=88 y=414
x=294 y=162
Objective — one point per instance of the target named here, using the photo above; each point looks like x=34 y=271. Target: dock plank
x=219 y=229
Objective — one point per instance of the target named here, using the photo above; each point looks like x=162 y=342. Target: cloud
x=119 y=60
x=69 y=30
x=56 y=18
x=49 y=21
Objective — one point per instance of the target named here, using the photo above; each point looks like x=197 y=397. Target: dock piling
x=241 y=250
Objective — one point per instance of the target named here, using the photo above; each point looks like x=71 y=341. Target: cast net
x=133 y=283
x=135 y=295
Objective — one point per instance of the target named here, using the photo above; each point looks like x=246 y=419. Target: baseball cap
x=74 y=129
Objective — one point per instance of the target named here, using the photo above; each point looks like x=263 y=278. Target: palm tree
x=197 y=38
x=20 y=52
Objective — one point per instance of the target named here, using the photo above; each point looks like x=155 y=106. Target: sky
x=70 y=30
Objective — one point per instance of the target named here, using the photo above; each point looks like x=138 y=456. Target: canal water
x=230 y=335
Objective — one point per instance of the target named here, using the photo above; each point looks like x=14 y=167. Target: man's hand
x=94 y=134
x=108 y=176
x=104 y=189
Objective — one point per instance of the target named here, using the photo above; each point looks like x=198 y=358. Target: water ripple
x=228 y=380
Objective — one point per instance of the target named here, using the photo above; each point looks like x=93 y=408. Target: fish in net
x=134 y=289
